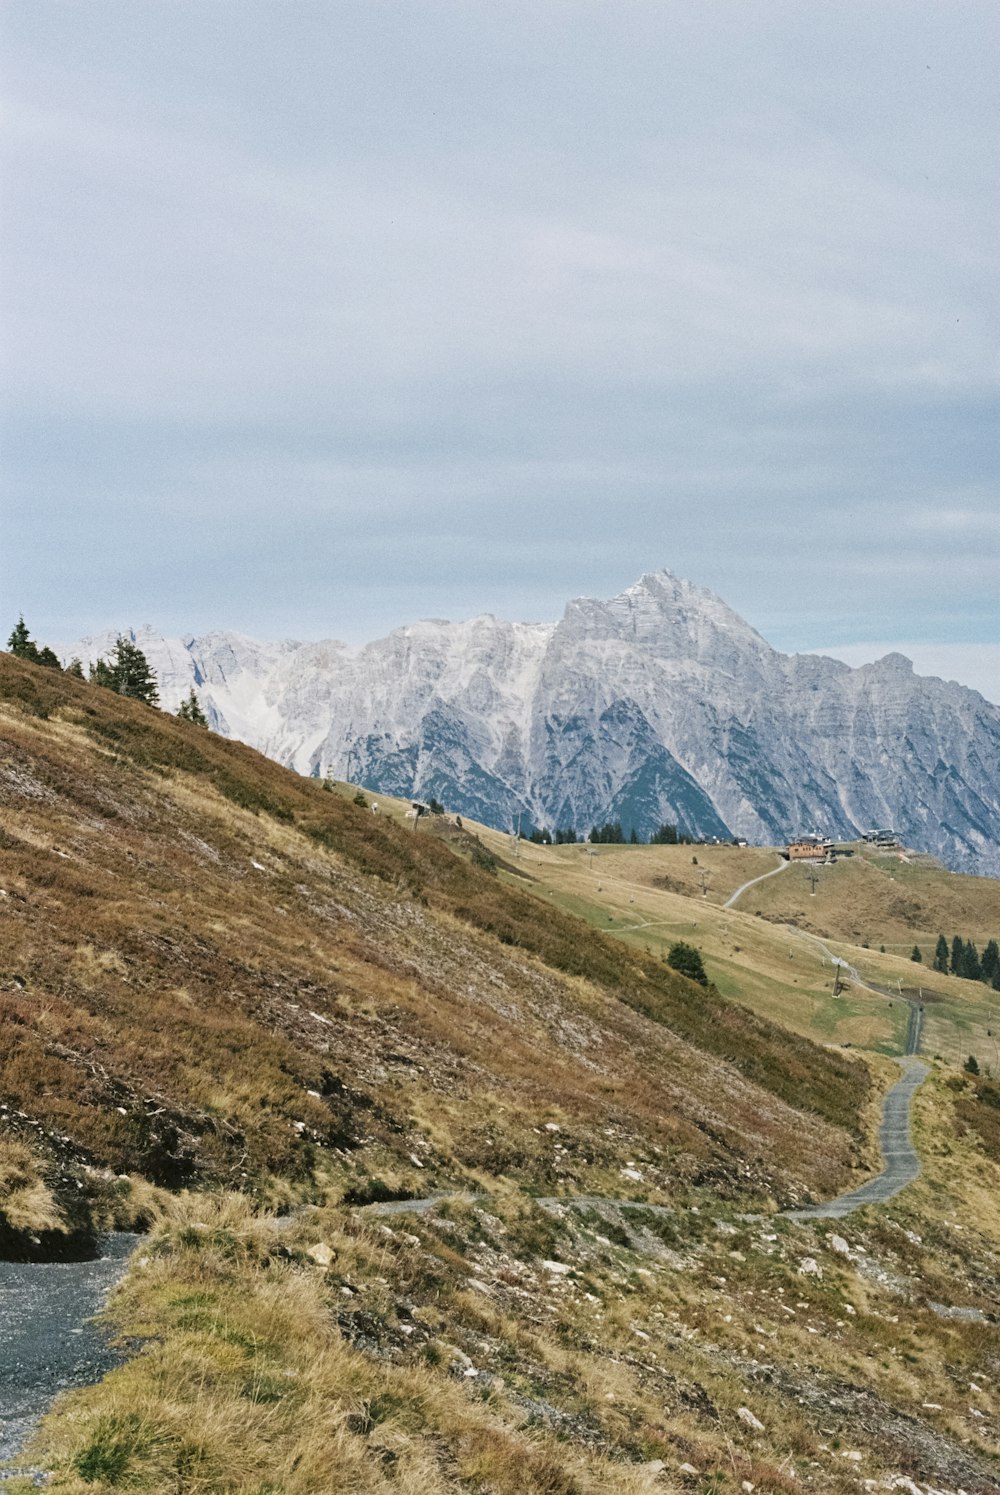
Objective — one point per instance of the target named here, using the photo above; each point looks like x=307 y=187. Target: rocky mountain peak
x=658 y=705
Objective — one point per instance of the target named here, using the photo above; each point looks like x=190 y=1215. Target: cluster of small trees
x=961 y=958
x=23 y=645
x=611 y=833
x=126 y=671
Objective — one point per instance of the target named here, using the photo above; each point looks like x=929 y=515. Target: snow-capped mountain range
x=660 y=705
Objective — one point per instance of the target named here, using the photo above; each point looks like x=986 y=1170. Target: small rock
x=415 y=1160
x=745 y=1415
x=810 y=1267
x=838 y=1244
x=654 y=1466
x=688 y=1469
x=557 y=1268
x=321 y=1253
x=633 y=1174
x=552 y=1126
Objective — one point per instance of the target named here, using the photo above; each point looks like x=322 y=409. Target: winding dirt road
x=902 y=1165
x=731 y=900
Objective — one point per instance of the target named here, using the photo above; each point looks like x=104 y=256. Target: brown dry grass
x=359 y=998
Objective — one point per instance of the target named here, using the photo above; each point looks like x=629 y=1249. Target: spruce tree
x=75 y=668
x=190 y=710
x=21 y=643
x=957 y=952
x=101 y=673
x=941 y=954
x=990 y=962
x=687 y=961
x=23 y=646
x=970 y=967
x=916 y=955
x=132 y=675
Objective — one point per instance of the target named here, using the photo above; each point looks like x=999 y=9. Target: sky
x=321 y=317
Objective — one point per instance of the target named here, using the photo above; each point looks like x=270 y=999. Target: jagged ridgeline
x=660 y=706
x=215 y=970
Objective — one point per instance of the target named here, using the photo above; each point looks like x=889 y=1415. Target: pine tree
x=101 y=673
x=633 y=837
x=971 y=1065
x=75 y=668
x=957 y=951
x=21 y=643
x=190 y=710
x=941 y=954
x=990 y=962
x=132 y=675
x=970 y=967
x=916 y=955
x=23 y=646
x=687 y=961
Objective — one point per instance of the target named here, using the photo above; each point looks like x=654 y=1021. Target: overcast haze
x=323 y=317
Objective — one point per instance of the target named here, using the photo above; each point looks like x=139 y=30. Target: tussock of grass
x=27 y=1202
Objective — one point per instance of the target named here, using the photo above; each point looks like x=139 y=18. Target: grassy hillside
x=216 y=970
x=240 y=1009
x=774 y=950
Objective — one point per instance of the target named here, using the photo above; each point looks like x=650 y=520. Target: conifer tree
x=75 y=668
x=957 y=951
x=990 y=962
x=190 y=710
x=132 y=675
x=49 y=658
x=127 y=673
x=686 y=960
x=941 y=954
x=21 y=643
x=916 y=955
x=970 y=967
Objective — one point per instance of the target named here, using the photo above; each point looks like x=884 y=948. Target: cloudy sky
x=319 y=317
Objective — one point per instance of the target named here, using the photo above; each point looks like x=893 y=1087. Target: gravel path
x=47 y=1345
x=902 y=1165
x=731 y=900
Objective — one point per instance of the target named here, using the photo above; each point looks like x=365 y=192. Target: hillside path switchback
x=902 y=1164
x=731 y=900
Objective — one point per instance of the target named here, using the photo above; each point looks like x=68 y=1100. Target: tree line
x=612 y=833
x=961 y=958
x=126 y=671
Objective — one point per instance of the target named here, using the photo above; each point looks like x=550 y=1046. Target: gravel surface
x=902 y=1165
x=47 y=1344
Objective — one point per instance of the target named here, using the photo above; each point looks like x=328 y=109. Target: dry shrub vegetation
x=265 y=1007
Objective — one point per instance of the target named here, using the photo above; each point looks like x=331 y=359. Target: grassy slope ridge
x=180 y=1012
x=249 y=993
